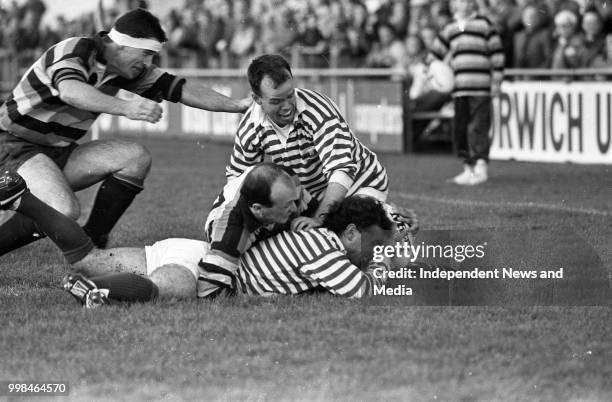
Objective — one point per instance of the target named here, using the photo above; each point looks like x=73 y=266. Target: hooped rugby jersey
x=230 y=230
x=319 y=145
x=34 y=111
x=476 y=54
x=296 y=262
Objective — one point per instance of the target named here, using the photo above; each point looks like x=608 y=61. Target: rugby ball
x=440 y=76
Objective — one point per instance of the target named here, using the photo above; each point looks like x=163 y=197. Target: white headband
x=139 y=43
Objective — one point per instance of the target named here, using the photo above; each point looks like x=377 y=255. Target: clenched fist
x=143 y=109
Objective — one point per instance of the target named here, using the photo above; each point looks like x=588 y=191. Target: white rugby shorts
x=185 y=252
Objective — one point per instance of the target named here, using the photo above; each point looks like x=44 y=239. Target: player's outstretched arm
x=334 y=193
x=84 y=96
x=201 y=97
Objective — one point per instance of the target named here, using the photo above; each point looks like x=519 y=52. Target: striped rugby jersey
x=230 y=229
x=476 y=54
x=319 y=144
x=33 y=111
x=296 y=262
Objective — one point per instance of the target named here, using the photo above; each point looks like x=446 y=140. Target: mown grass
x=317 y=347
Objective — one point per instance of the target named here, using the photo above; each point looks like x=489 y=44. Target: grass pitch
x=319 y=347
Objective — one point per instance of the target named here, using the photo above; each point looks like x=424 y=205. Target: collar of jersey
x=334 y=238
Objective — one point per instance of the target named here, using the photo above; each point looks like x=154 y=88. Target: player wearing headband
x=57 y=101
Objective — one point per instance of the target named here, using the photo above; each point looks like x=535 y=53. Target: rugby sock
x=17 y=232
x=64 y=231
x=127 y=287
x=114 y=197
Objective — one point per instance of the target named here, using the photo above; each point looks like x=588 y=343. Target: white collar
x=335 y=239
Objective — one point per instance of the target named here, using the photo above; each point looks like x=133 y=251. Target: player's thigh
x=47 y=182
x=174 y=281
x=120 y=259
x=93 y=161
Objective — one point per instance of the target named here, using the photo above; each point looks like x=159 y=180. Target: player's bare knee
x=174 y=281
x=139 y=163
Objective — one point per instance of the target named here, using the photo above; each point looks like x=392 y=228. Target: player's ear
x=256 y=210
x=351 y=232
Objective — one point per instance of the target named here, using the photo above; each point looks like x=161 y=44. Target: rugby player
x=329 y=258
x=303 y=130
x=57 y=101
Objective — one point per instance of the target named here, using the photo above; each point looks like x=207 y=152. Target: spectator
x=357 y=40
x=184 y=40
x=604 y=60
x=398 y=18
x=476 y=56
x=428 y=34
x=388 y=51
x=594 y=38
x=532 y=44
x=173 y=25
x=506 y=17
x=244 y=37
x=569 y=49
x=604 y=11
x=421 y=17
x=278 y=32
x=313 y=46
x=215 y=32
x=414 y=65
x=555 y=6
x=421 y=97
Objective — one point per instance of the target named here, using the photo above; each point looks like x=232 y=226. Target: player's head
x=271 y=82
x=270 y=194
x=362 y=223
x=135 y=38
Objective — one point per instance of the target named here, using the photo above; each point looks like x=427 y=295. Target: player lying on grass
x=57 y=101
x=288 y=263
x=328 y=258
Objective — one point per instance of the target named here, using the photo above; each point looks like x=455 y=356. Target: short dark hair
x=140 y=23
x=257 y=185
x=362 y=211
x=270 y=65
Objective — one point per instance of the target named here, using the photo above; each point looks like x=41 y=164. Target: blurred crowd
x=335 y=33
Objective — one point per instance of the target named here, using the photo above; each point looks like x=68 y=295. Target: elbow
x=68 y=97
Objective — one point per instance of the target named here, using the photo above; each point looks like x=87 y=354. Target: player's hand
x=304 y=223
x=144 y=109
x=245 y=103
x=412 y=221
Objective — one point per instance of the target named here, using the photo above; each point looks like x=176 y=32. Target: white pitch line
x=535 y=205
